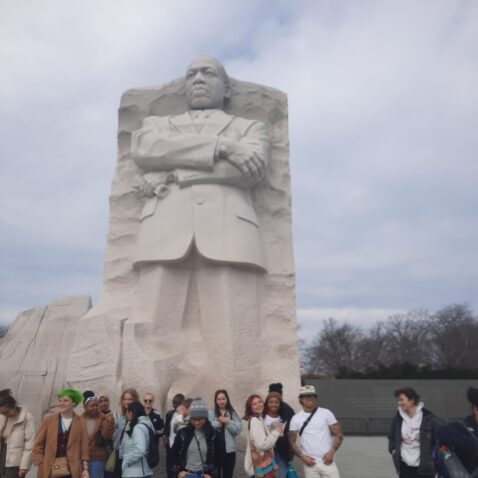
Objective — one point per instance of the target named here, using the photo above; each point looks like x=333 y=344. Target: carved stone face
x=206 y=84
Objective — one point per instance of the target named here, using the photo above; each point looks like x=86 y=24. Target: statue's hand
x=248 y=162
x=153 y=183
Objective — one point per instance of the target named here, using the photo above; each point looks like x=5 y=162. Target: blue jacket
x=231 y=430
x=134 y=449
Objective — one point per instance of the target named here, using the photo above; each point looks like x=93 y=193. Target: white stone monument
x=199 y=284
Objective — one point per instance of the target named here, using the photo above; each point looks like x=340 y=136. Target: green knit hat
x=75 y=395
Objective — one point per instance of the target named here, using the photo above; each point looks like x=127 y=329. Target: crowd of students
x=201 y=442
x=115 y=444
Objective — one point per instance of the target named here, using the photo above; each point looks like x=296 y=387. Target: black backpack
x=152 y=456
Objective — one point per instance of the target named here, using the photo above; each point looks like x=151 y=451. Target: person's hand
x=22 y=472
x=248 y=162
x=223 y=420
x=328 y=458
x=207 y=476
x=308 y=460
x=110 y=419
x=182 y=474
x=85 y=474
x=278 y=426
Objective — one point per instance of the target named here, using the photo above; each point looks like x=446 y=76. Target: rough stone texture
x=98 y=359
x=34 y=354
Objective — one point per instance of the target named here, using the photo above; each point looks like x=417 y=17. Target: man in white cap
x=320 y=436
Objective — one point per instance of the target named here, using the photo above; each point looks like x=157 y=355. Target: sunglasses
x=148 y=401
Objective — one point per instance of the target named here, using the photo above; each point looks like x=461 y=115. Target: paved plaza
x=358 y=457
x=365 y=457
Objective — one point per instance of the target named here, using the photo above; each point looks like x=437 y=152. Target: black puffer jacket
x=181 y=444
x=428 y=436
x=463 y=438
x=282 y=446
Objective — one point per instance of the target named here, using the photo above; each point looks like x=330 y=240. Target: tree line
x=417 y=344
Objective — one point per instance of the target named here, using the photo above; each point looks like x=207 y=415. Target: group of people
x=201 y=442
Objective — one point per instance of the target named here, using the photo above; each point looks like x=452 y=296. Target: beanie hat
x=198 y=409
x=274 y=395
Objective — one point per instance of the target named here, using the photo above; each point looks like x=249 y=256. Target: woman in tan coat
x=100 y=430
x=17 y=432
x=61 y=438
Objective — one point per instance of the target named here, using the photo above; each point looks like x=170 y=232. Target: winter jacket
x=120 y=423
x=261 y=439
x=134 y=449
x=428 y=435
x=282 y=447
x=463 y=438
x=20 y=441
x=45 y=447
x=232 y=428
x=158 y=424
x=181 y=445
x=103 y=427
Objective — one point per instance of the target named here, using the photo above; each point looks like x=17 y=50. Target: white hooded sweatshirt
x=410 y=446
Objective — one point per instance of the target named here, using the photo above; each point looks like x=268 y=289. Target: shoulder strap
x=465 y=426
x=200 y=453
x=307 y=421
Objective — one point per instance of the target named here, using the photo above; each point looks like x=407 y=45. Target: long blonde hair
x=134 y=395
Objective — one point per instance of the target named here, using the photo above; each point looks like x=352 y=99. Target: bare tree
x=334 y=348
x=405 y=344
x=407 y=338
x=372 y=348
x=454 y=332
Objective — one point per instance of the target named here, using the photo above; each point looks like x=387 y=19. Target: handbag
x=262 y=461
x=60 y=468
x=110 y=463
x=291 y=471
x=263 y=464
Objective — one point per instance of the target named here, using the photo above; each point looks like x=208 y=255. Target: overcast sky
x=383 y=115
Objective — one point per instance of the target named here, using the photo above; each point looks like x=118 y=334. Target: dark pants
x=169 y=463
x=225 y=469
x=408 y=471
x=6 y=471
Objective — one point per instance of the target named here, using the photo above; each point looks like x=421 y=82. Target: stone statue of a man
x=199 y=251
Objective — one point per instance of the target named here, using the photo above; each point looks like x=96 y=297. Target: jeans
x=282 y=471
x=96 y=468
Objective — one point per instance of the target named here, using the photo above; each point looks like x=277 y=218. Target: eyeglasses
x=148 y=401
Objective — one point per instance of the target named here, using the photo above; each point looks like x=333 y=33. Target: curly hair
x=75 y=395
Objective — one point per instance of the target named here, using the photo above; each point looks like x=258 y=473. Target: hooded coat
x=428 y=427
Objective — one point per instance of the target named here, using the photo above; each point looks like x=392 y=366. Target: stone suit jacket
x=209 y=204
